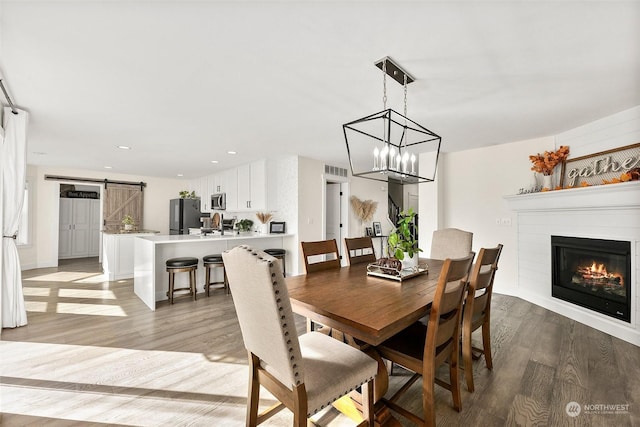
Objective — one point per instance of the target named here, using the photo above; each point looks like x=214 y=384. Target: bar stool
x=178 y=265
x=210 y=262
x=280 y=254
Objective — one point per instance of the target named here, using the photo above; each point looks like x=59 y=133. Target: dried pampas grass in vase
x=264 y=218
x=363 y=209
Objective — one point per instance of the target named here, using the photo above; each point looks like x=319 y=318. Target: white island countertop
x=150 y=281
x=190 y=238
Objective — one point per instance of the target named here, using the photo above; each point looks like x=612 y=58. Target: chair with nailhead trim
x=307 y=373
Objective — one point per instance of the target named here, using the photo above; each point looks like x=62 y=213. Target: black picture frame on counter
x=276 y=227
x=377 y=229
x=369 y=231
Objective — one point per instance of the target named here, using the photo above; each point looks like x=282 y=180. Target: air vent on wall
x=335 y=170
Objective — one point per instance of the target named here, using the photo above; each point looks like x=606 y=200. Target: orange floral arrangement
x=545 y=163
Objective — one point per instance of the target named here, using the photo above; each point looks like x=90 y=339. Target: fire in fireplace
x=593 y=273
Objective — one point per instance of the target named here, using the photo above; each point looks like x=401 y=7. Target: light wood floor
x=94 y=354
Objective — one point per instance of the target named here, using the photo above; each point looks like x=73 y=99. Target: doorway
x=79 y=221
x=336 y=219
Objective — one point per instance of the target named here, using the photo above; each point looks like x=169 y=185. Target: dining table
x=368 y=308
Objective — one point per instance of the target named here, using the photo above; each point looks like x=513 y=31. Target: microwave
x=219 y=201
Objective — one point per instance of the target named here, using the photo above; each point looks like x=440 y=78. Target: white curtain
x=14 y=165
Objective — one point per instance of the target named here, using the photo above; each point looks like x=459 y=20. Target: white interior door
x=332 y=214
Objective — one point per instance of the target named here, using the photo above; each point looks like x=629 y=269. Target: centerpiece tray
x=396 y=274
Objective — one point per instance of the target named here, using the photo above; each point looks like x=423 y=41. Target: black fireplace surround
x=593 y=273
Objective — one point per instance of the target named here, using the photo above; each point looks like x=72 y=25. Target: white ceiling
x=183 y=82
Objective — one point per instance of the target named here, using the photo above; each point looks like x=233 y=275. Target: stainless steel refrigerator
x=184 y=214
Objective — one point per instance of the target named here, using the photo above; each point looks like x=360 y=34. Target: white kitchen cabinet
x=79 y=228
x=254 y=190
x=244 y=187
x=230 y=185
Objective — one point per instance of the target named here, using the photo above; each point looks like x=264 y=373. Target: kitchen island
x=117 y=252
x=151 y=252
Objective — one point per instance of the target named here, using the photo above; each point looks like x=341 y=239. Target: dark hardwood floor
x=94 y=354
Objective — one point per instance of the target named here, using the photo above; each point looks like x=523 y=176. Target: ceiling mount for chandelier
x=388 y=145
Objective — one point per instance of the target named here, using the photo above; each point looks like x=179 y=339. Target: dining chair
x=307 y=373
x=360 y=249
x=318 y=249
x=477 y=310
x=423 y=348
x=322 y=248
x=450 y=243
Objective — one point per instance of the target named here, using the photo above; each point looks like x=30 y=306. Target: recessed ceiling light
x=232 y=152
x=180 y=174
x=124 y=147
x=214 y=161
x=108 y=167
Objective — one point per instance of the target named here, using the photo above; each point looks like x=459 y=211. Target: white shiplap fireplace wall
x=602 y=212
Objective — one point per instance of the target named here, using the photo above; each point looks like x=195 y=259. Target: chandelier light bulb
x=405 y=159
x=413 y=164
x=392 y=158
x=376 y=153
x=398 y=160
x=383 y=157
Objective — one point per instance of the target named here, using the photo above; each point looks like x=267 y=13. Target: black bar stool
x=210 y=262
x=280 y=254
x=178 y=265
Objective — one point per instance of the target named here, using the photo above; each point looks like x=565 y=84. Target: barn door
x=120 y=200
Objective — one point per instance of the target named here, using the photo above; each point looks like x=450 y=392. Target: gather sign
x=598 y=168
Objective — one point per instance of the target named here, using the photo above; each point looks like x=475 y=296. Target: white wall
x=287 y=207
x=368 y=189
x=44 y=249
x=468 y=193
x=470 y=184
x=310 y=202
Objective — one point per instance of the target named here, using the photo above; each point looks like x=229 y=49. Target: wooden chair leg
x=467 y=358
x=368 y=413
x=192 y=283
x=453 y=378
x=254 y=391
x=300 y=406
x=171 y=280
x=486 y=344
x=428 y=406
x=207 y=278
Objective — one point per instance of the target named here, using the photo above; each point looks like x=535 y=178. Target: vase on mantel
x=547 y=181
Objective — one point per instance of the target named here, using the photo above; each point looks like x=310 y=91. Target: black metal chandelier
x=388 y=145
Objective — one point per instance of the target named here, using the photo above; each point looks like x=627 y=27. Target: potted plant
x=244 y=225
x=184 y=194
x=402 y=244
x=128 y=222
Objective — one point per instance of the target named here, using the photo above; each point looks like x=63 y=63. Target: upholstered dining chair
x=450 y=243
x=477 y=310
x=306 y=373
x=360 y=249
x=423 y=348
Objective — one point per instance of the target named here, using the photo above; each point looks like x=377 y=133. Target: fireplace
x=593 y=273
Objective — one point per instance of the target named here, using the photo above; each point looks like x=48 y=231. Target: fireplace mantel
x=599 y=212
x=611 y=196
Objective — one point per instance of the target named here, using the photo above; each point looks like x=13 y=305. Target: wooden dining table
x=368 y=308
